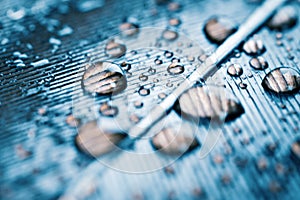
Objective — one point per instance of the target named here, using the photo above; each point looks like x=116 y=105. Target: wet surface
x=52 y=94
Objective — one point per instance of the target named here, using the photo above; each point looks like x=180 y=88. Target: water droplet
x=156 y=80
x=138 y=104
x=170 y=142
x=128 y=29
x=175 y=68
x=202 y=57
x=169 y=84
x=94 y=141
x=218 y=29
x=151 y=70
x=114 y=49
x=72 y=121
x=107 y=110
x=262 y=163
x=174 y=6
x=134 y=118
x=143 y=77
x=125 y=66
x=258 y=63
x=295 y=150
x=174 y=22
x=162 y=95
x=169 y=35
x=282 y=80
x=254 y=47
x=206 y=102
x=242 y=85
x=168 y=54
x=144 y=91
x=235 y=70
x=66 y=30
x=16 y=14
x=103 y=78
x=40 y=63
x=158 y=61
x=191 y=58
x=285 y=18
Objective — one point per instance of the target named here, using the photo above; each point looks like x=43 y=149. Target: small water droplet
x=235 y=70
x=107 y=110
x=254 y=47
x=242 y=85
x=169 y=84
x=125 y=66
x=169 y=35
x=158 y=61
x=134 y=118
x=258 y=63
x=144 y=91
x=156 y=80
x=151 y=70
x=282 y=80
x=262 y=163
x=295 y=150
x=202 y=57
x=94 y=141
x=174 y=6
x=128 y=29
x=285 y=18
x=168 y=54
x=72 y=121
x=206 y=102
x=114 y=49
x=191 y=58
x=174 y=22
x=103 y=78
x=138 y=104
x=143 y=77
x=168 y=141
x=175 y=68
x=218 y=29
x=162 y=95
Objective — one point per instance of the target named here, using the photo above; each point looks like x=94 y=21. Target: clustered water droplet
x=103 y=78
x=282 y=80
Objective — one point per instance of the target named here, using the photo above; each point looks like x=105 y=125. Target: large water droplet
x=175 y=68
x=282 y=80
x=258 y=63
x=103 y=78
x=218 y=29
x=114 y=49
x=254 y=47
x=94 y=141
x=285 y=18
x=170 y=142
x=235 y=70
x=208 y=102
